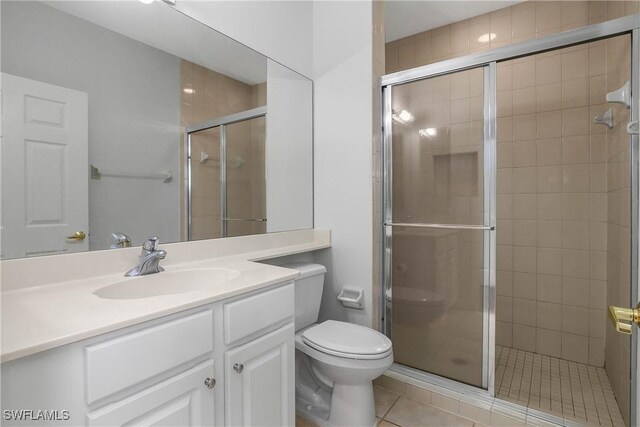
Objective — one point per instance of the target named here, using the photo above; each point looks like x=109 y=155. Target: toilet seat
x=347 y=340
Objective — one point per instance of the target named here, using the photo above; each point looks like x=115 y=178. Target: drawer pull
x=238 y=367
x=210 y=382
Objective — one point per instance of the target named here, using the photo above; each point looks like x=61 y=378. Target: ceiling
x=404 y=18
x=161 y=26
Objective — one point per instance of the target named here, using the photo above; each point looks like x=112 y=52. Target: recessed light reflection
x=403 y=116
x=428 y=132
x=189 y=90
x=487 y=37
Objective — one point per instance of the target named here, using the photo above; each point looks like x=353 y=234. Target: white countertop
x=39 y=318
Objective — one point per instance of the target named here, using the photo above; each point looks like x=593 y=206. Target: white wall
x=342 y=73
x=330 y=42
x=281 y=30
x=289 y=149
x=134 y=113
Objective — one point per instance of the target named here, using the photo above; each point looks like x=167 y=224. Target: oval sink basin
x=167 y=283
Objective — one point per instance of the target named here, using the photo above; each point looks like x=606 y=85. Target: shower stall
x=510 y=222
x=225 y=176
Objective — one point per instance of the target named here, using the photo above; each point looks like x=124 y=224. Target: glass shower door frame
x=626 y=25
x=634 y=116
x=221 y=123
x=489 y=214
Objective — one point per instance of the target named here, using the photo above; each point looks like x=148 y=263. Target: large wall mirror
x=123 y=120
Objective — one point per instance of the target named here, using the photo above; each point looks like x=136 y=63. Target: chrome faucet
x=120 y=240
x=149 y=259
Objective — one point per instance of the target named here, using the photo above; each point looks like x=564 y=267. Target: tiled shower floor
x=567 y=389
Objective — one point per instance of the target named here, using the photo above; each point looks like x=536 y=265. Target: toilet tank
x=307 y=292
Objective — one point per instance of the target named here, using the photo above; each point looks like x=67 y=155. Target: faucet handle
x=151 y=244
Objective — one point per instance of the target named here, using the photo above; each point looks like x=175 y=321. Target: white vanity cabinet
x=259 y=367
x=115 y=365
x=177 y=370
x=182 y=400
x=260 y=388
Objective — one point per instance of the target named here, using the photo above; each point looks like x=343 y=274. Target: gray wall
x=134 y=113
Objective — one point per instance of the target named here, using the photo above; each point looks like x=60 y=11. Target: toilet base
x=332 y=404
x=346 y=397
x=335 y=391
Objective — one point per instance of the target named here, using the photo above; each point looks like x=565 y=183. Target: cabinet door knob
x=210 y=382
x=238 y=367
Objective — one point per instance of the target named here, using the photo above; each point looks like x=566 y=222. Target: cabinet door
x=260 y=381
x=183 y=400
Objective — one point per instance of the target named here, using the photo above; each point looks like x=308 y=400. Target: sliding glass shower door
x=439 y=182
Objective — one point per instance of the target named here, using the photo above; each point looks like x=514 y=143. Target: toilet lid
x=347 y=340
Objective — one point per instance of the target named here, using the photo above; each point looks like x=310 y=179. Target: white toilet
x=336 y=362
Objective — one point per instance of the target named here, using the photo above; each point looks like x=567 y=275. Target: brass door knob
x=624 y=318
x=77 y=236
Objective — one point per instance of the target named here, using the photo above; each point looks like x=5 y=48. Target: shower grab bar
x=441 y=226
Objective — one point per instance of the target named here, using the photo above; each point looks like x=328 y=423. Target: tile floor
x=567 y=389
x=574 y=394
x=394 y=410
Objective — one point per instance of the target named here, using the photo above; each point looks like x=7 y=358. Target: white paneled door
x=44 y=152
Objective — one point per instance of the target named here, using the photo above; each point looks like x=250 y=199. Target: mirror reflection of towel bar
x=164 y=176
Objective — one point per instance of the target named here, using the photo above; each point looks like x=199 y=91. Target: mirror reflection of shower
x=226 y=186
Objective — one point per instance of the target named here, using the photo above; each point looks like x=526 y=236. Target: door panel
x=436 y=237
x=438 y=150
x=44 y=168
x=437 y=301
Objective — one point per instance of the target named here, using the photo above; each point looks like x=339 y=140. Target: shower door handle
x=440 y=226
x=623 y=318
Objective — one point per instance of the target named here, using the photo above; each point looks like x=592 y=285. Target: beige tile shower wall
x=523 y=21
x=617 y=357
x=378 y=66
x=552 y=204
x=215 y=95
